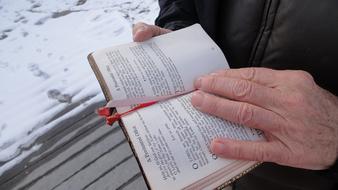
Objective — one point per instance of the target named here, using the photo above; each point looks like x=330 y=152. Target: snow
x=43 y=65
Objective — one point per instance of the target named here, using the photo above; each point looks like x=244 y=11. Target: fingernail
x=197 y=99
x=217 y=147
x=198 y=83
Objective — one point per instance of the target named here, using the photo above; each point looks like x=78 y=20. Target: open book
x=170 y=138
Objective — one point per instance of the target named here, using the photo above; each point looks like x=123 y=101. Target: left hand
x=142 y=31
x=299 y=119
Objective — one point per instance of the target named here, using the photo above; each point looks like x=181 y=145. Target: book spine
x=99 y=77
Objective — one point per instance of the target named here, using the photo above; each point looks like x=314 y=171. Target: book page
x=172 y=142
x=161 y=67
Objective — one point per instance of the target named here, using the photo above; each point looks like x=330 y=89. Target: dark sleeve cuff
x=176 y=25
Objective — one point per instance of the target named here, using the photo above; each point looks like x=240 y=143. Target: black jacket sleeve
x=176 y=14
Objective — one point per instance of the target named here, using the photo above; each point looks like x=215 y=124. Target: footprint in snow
x=35 y=69
x=57 y=95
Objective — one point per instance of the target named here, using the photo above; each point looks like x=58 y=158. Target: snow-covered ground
x=43 y=65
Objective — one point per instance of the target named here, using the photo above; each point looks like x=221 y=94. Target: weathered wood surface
x=81 y=153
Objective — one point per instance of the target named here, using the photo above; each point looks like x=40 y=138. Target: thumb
x=143 y=32
x=245 y=150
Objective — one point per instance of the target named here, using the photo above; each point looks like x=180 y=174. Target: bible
x=169 y=137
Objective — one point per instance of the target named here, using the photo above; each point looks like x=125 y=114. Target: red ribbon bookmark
x=104 y=111
x=113 y=118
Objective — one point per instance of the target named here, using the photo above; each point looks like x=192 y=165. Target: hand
x=299 y=119
x=143 y=32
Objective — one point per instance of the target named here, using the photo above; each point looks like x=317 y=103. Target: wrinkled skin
x=299 y=119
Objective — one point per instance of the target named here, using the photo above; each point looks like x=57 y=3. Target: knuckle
x=242 y=88
x=140 y=24
x=249 y=73
x=212 y=83
x=303 y=77
x=245 y=114
x=263 y=156
x=237 y=152
x=260 y=154
x=137 y=25
x=223 y=72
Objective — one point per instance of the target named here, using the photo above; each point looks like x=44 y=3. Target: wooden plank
x=118 y=159
x=118 y=177
x=73 y=162
x=53 y=142
x=134 y=184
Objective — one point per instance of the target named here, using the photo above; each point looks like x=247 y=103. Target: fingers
x=246 y=150
x=239 y=89
x=263 y=76
x=237 y=112
x=143 y=32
